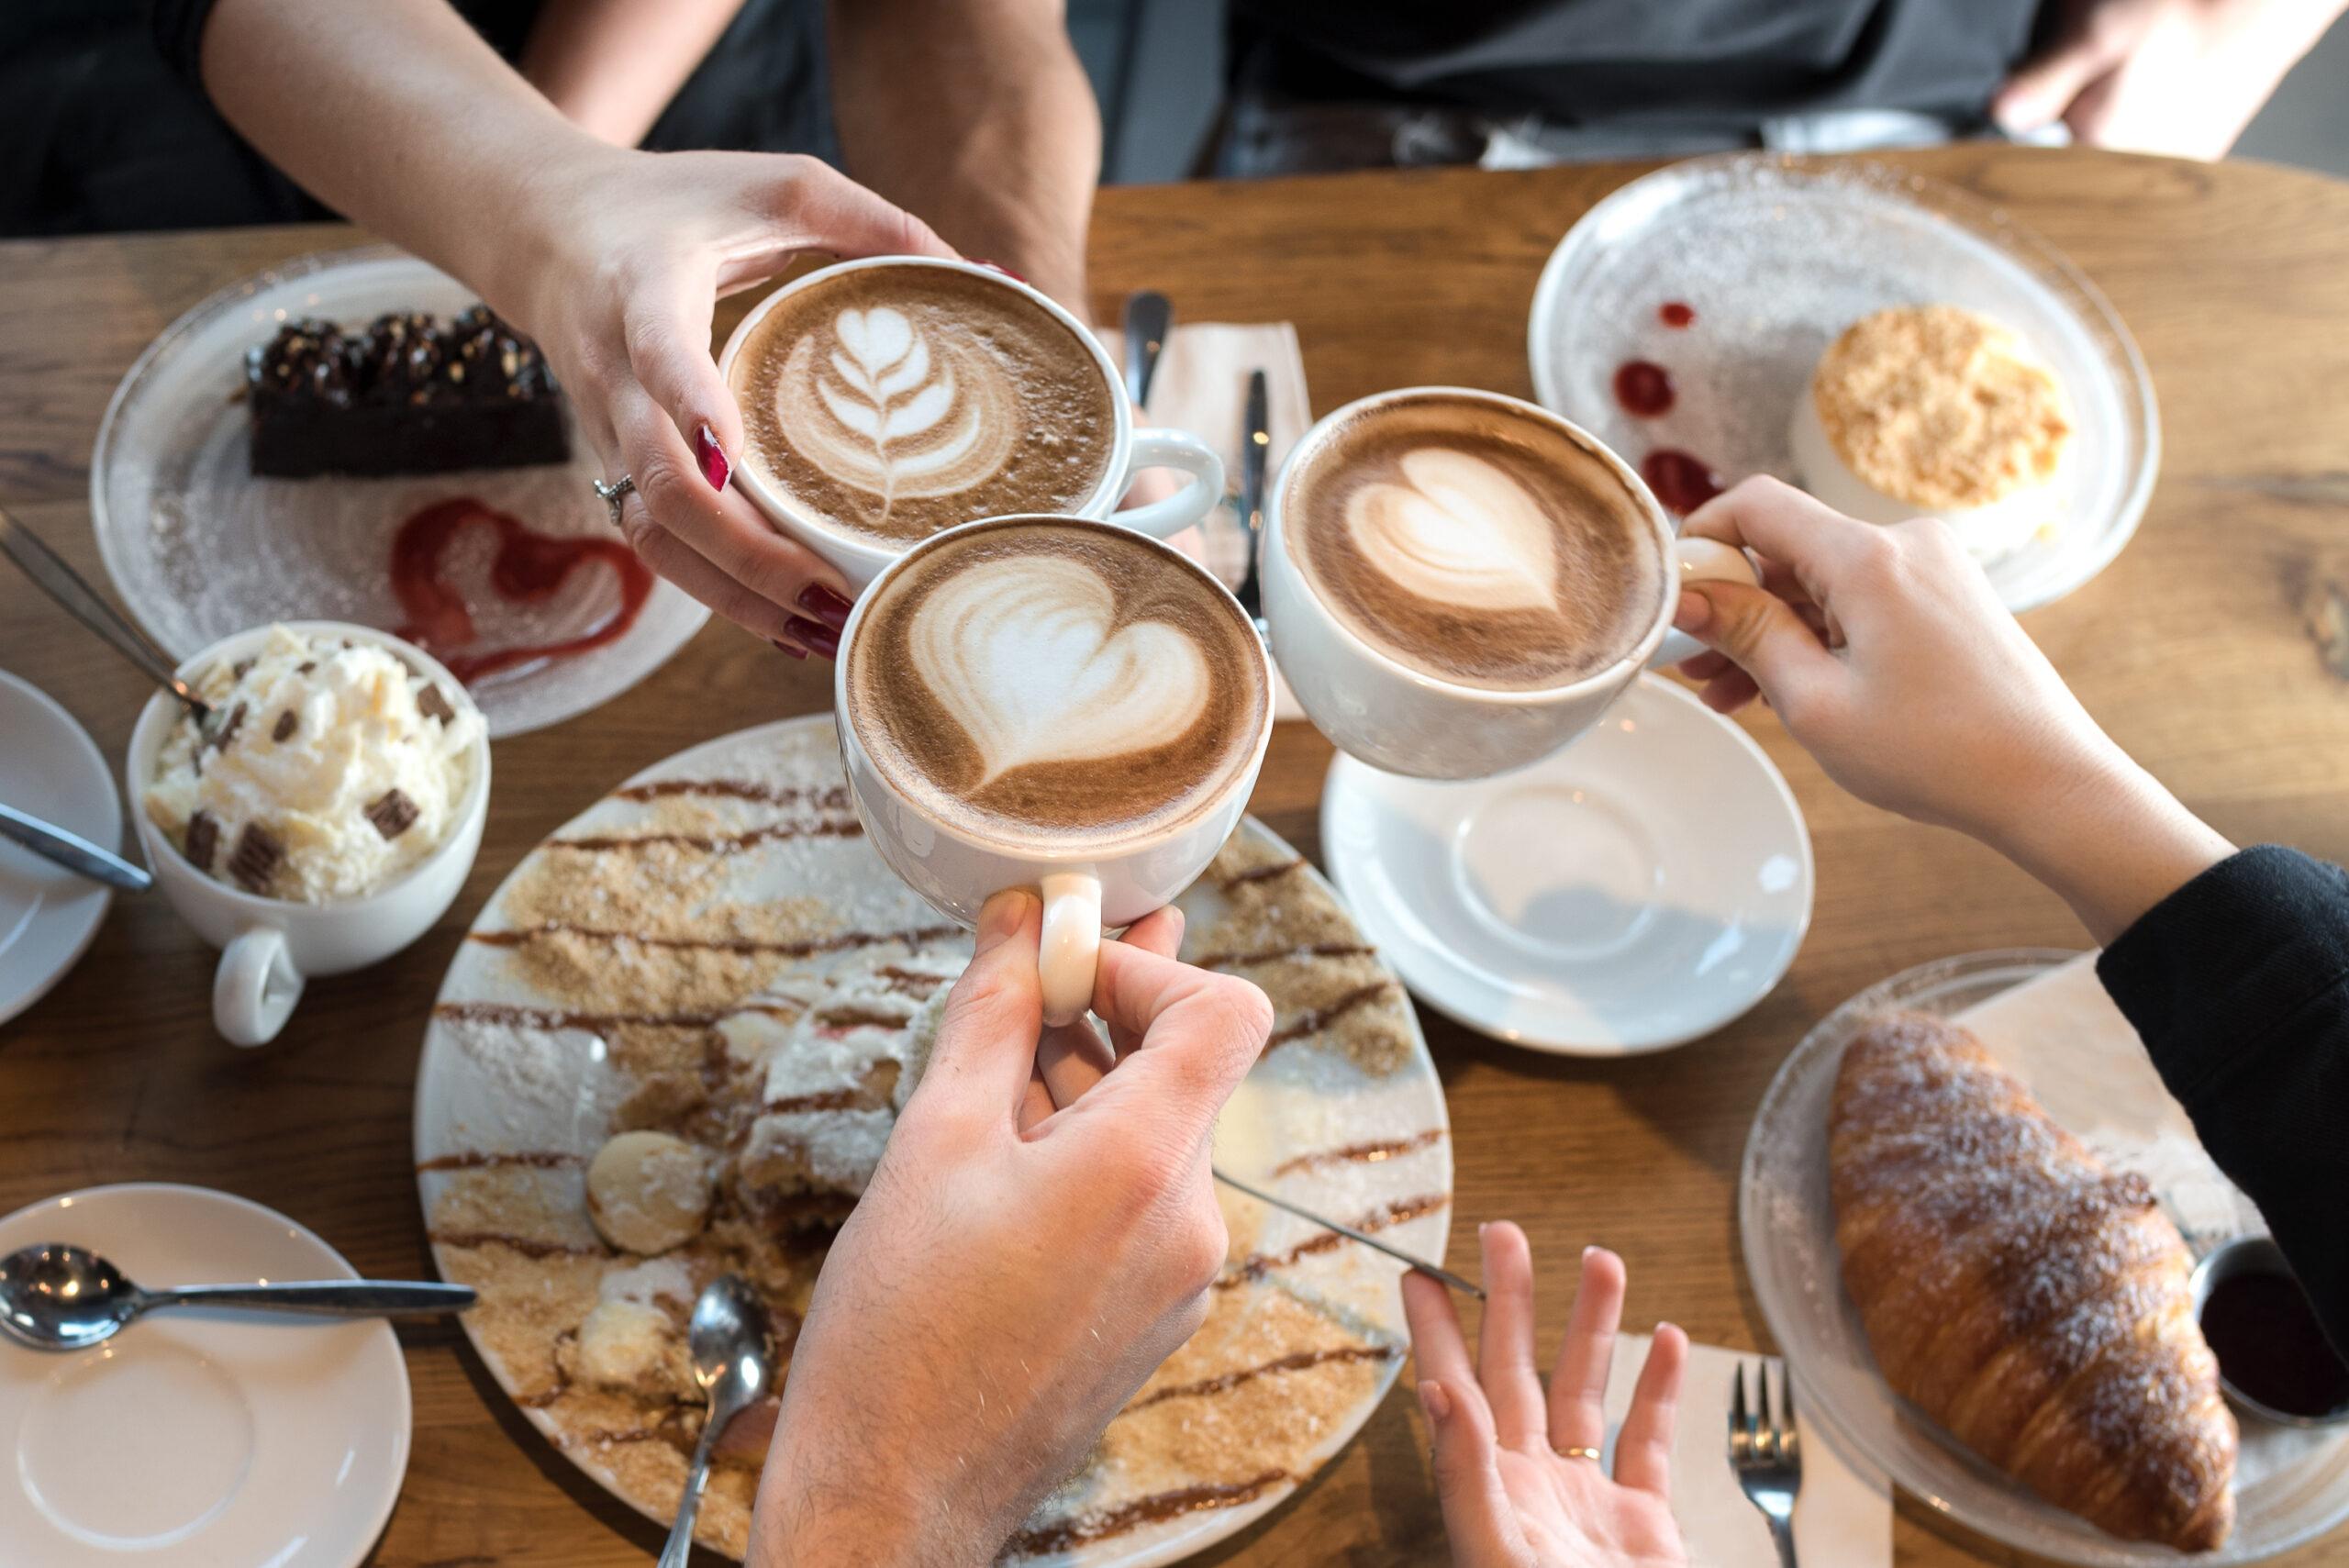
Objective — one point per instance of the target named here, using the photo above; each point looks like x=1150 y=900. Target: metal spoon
x=734 y=1366
x=62 y=583
x=61 y=1298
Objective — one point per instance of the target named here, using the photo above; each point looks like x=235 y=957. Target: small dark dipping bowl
x=2274 y=1359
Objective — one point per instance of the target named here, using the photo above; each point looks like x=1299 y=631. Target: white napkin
x=1842 y=1517
x=1202 y=387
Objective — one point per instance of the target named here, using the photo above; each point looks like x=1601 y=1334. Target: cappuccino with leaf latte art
x=1473 y=543
x=1055 y=684
x=892 y=401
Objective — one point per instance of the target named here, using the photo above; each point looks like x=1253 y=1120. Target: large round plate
x=2290 y=1488
x=1777 y=255
x=52 y=769
x=199 y=548
x=747 y=867
x=199 y=1438
x=1637 y=890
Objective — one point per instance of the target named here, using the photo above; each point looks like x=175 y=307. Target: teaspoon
x=60 y=581
x=728 y=1338
x=60 y=1298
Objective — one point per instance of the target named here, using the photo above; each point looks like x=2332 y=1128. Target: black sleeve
x=178 y=27
x=2238 y=983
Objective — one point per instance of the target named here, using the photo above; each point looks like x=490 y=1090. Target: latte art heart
x=1458 y=531
x=895 y=408
x=1024 y=655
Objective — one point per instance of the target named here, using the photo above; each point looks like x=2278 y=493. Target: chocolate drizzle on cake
x=1262 y=1263
x=1300 y=1361
x=833 y=797
x=1368 y=1153
x=1313 y=1020
x=1156 y=1508
x=806 y=947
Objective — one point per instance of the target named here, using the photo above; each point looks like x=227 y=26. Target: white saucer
x=1637 y=890
x=52 y=769
x=199 y=1437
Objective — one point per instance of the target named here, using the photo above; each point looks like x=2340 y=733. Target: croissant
x=2031 y=1301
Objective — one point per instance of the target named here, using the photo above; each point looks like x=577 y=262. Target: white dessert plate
x=2290 y=1487
x=1637 y=890
x=52 y=769
x=532 y=1048
x=1776 y=256
x=199 y=548
x=199 y=1438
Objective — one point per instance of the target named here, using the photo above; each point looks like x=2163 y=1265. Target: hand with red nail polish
x=1514 y=1462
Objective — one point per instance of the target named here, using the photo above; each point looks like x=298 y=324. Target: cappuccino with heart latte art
x=1473 y=543
x=894 y=401
x=1055 y=683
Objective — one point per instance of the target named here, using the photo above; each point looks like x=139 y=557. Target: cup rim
x=1651 y=509
x=2251 y=1252
x=1114 y=476
x=1042 y=854
x=160 y=846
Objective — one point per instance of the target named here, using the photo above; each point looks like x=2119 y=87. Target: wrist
x=2109 y=839
x=544 y=191
x=836 y=1493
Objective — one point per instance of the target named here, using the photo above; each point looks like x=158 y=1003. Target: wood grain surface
x=2216 y=649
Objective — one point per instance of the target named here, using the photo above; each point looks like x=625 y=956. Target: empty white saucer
x=1639 y=889
x=50 y=768
x=199 y=1437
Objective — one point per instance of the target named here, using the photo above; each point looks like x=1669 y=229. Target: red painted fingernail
x=818 y=638
x=783 y=647
x=1000 y=267
x=825 y=605
x=714 y=466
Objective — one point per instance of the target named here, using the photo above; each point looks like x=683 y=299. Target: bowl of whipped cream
x=322 y=818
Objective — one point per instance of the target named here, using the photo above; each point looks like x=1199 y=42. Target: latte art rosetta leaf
x=896 y=408
x=1457 y=530
x=1021 y=654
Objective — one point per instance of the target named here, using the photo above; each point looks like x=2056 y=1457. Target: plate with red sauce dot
x=1680 y=318
x=514 y=578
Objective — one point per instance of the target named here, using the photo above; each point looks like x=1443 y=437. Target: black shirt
x=2238 y=984
x=1716 y=62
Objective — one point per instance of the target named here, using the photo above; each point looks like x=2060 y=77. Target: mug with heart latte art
x=1050 y=702
x=886 y=399
x=1458 y=582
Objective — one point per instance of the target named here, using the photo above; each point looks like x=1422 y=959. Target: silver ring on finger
x=614 y=491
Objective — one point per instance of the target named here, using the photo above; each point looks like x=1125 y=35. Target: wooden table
x=2216 y=649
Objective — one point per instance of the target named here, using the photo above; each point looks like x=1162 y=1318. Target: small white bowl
x=270 y=947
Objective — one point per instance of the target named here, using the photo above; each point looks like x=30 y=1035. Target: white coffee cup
x=1083 y=889
x=1406 y=722
x=271 y=947
x=860 y=559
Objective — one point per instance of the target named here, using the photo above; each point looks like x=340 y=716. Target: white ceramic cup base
x=270 y=946
x=1640 y=888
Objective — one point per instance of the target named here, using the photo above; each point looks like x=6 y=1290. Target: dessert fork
x=1765 y=1450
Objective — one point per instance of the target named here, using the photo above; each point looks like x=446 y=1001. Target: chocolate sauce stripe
x=1261 y=874
x=805 y=947
x=1369 y=1153
x=831 y=798
x=1313 y=1020
x=1155 y=1508
x=713 y=843
x=529 y=1246
x=1401 y=1212
x=518 y=1017
x=1301 y=1361
x=1293 y=953
x=541 y=1158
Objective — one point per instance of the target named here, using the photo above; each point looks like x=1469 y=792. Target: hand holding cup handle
x=1701 y=561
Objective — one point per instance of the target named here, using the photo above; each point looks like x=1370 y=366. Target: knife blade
x=1255 y=446
x=1150 y=316
x=1421 y=1265
x=72 y=851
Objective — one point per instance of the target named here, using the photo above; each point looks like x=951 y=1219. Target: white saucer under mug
x=1637 y=890
x=49 y=767
x=199 y=1437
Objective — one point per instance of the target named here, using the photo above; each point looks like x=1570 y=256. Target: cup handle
x=254 y=989
x=1700 y=560
x=1176 y=449
x=1072 y=944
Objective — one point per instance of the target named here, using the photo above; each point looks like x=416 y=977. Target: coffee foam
x=895 y=401
x=1055 y=680
x=1474 y=544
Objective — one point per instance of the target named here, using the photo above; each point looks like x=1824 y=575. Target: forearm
x=611 y=66
x=2111 y=840
x=398 y=115
x=976 y=115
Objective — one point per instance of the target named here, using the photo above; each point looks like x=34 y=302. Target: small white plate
x=1632 y=892
x=199 y=1438
x=199 y=548
x=1776 y=256
x=52 y=769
